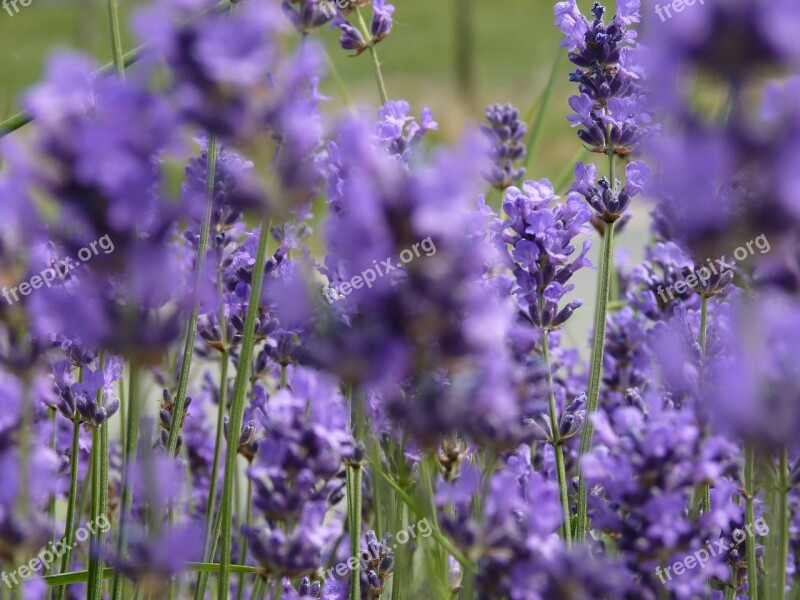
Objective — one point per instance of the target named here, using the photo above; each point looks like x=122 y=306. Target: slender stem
x=81 y=576
x=284 y=369
x=436 y=534
x=99 y=494
x=536 y=130
x=209 y=544
x=336 y=77
x=257 y=587
x=119 y=65
x=750 y=517
x=237 y=407
x=191 y=330
x=354 y=473
x=123 y=403
x=69 y=528
x=703 y=324
x=129 y=455
x=400 y=555
x=243 y=538
x=596 y=371
x=103 y=509
x=202 y=580
x=464 y=38
x=706 y=488
x=116 y=38
x=783 y=525
x=376 y=63
x=26 y=427
x=51 y=502
x=94 y=576
x=730 y=591
x=558 y=447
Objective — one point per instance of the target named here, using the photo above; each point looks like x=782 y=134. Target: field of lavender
x=217 y=238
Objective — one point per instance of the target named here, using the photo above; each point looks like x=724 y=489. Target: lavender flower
x=541 y=241
x=649 y=460
x=308 y=14
x=610 y=201
x=612 y=108
x=505 y=133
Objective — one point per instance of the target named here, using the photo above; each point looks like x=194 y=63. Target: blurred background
x=455 y=56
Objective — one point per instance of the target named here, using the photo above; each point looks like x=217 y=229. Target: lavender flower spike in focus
x=610 y=201
x=612 y=113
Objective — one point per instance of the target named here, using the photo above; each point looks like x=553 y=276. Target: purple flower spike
x=505 y=132
x=351 y=38
x=381 y=20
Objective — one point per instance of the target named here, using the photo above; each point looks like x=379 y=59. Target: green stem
x=128 y=456
x=464 y=48
x=595 y=374
x=436 y=534
x=783 y=524
x=191 y=330
x=211 y=549
x=26 y=426
x=398 y=578
x=612 y=167
x=94 y=576
x=558 y=447
x=536 y=130
x=706 y=488
x=51 y=501
x=237 y=407
x=354 y=474
x=69 y=528
x=703 y=324
x=750 y=517
x=99 y=494
x=210 y=543
x=336 y=77
x=243 y=538
x=199 y=269
x=195 y=567
x=730 y=591
x=122 y=410
x=116 y=38
x=284 y=369
x=257 y=587
x=376 y=63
